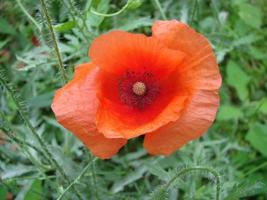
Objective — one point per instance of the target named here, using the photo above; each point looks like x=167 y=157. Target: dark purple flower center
x=138 y=89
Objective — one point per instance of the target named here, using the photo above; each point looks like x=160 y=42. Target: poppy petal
x=200 y=69
x=119 y=51
x=74 y=106
x=76 y=98
x=102 y=147
x=111 y=125
x=193 y=122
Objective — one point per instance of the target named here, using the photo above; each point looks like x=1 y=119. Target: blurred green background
x=235 y=146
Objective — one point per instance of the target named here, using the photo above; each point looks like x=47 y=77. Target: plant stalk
x=53 y=36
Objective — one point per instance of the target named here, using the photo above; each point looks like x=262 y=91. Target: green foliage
x=257 y=136
x=33 y=43
x=250 y=14
x=228 y=112
x=245 y=189
x=233 y=71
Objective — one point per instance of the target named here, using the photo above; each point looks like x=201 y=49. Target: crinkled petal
x=117 y=125
x=74 y=106
x=119 y=51
x=101 y=146
x=199 y=70
x=193 y=122
x=75 y=103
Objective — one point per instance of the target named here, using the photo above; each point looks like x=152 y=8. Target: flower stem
x=94 y=181
x=210 y=170
x=53 y=36
x=264 y=164
x=23 y=115
x=75 y=181
x=160 y=9
x=28 y=15
x=73 y=12
x=192 y=16
x=111 y=14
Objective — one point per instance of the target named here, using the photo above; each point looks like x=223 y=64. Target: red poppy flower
x=164 y=87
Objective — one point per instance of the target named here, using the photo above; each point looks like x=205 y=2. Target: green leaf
x=160 y=193
x=251 y=15
x=41 y=101
x=263 y=106
x=64 y=27
x=257 y=137
x=248 y=39
x=130 y=178
x=228 y=112
x=245 y=189
x=3 y=191
x=5 y=27
x=3 y=43
x=95 y=20
x=133 y=4
x=16 y=171
x=238 y=79
x=135 y=23
x=35 y=191
x=157 y=170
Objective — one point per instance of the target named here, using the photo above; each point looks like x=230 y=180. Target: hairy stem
x=94 y=181
x=47 y=153
x=76 y=180
x=53 y=36
x=28 y=15
x=190 y=169
x=73 y=12
x=19 y=142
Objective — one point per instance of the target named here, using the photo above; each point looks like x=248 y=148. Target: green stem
x=19 y=142
x=47 y=153
x=73 y=12
x=112 y=14
x=195 y=3
x=94 y=182
x=28 y=15
x=210 y=170
x=160 y=9
x=78 y=14
x=264 y=164
x=76 y=180
x=53 y=36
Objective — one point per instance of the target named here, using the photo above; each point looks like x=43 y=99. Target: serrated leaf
x=157 y=171
x=16 y=171
x=257 y=137
x=238 y=79
x=130 y=178
x=245 y=189
x=159 y=193
x=248 y=39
